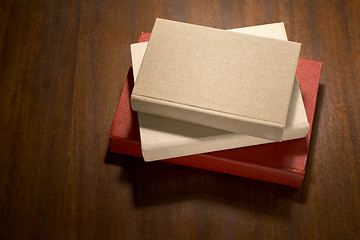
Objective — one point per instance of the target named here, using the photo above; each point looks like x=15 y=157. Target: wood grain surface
x=62 y=67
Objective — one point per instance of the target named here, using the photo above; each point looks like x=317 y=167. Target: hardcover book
x=163 y=138
x=231 y=81
x=282 y=163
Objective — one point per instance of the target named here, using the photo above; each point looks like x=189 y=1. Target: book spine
x=220 y=120
x=298 y=131
x=125 y=146
x=289 y=177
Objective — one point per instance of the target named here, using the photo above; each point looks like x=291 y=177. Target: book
x=231 y=81
x=163 y=138
x=281 y=163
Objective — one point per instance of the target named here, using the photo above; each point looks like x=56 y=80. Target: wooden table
x=62 y=67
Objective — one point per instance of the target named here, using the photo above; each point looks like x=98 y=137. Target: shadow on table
x=158 y=182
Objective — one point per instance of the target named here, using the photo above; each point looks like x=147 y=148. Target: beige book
x=163 y=138
x=231 y=81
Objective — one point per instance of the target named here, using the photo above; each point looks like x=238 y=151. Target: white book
x=163 y=138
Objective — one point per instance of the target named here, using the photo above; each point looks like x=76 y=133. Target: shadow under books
x=157 y=183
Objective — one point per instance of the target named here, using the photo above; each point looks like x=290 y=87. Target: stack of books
x=238 y=101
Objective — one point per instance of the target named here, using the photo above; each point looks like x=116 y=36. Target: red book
x=282 y=163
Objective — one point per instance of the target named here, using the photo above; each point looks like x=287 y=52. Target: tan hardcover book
x=163 y=138
x=231 y=81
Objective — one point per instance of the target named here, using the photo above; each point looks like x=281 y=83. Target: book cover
x=282 y=163
x=163 y=138
x=232 y=81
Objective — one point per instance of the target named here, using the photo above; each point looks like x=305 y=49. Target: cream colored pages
x=163 y=138
x=235 y=82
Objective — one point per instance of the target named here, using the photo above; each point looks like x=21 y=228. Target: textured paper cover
x=163 y=138
x=235 y=82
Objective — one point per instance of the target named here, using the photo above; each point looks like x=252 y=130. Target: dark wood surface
x=62 y=67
